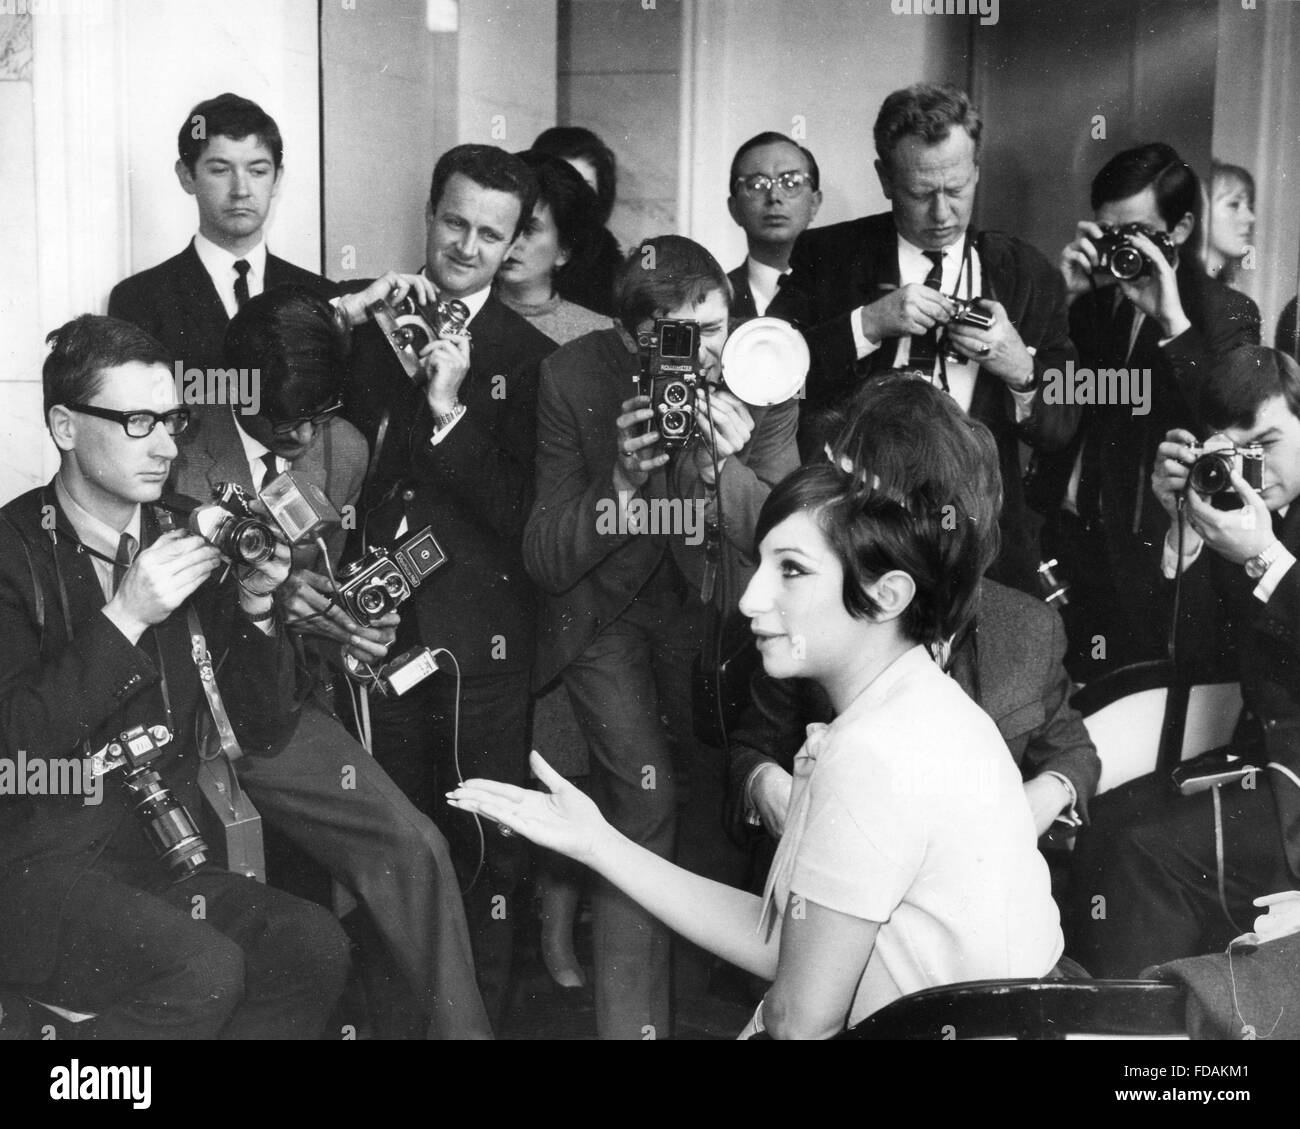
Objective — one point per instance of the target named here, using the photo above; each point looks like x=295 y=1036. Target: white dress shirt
x=762 y=283
x=220 y=265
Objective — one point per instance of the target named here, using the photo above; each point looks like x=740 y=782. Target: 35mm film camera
x=167 y=824
x=408 y=332
x=378 y=581
x=1117 y=253
x=298 y=509
x=1210 y=474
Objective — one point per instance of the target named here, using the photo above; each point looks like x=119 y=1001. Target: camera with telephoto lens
x=381 y=579
x=1211 y=470
x=167 y=825
x=408 y=332
x=670 y=374
x=1117 y=253
x=229 y=524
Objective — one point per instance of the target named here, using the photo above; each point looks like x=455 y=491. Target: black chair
x=1032 y=1009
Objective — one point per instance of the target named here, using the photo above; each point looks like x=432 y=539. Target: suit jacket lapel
x=199 y=295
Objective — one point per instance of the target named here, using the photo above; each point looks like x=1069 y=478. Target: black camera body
x=378 y=581
x=167 y=824
x=670 y=374
x=969 y=312
x=229 y=524
x=408 y=332
x=1117 y=253
x=1210 y=473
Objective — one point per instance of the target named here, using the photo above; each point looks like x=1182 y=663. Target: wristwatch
x=448 y=418
x=1262 y=561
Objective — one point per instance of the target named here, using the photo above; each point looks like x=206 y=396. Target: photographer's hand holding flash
x=731 y=427
x=160 y=579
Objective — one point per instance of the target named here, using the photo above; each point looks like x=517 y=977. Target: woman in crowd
x=1231 y=226
x=557 y=245
x=594 y=161
x=909 y=857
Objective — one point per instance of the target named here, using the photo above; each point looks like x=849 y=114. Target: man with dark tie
x=324 y=792
x=775 y=194
x=231 y=161
x=455 y=452
x=883 y=289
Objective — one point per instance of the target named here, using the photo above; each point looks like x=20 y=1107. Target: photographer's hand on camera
x=1156 y=292
x=727 y=435
x=636 y=452
x=258 y=582
x=307 y=600
x=446 y=364
x=1236 y=535
x=909 y=310
x=392 y=287
x=998 y=350
x=1080 y=262
x=160 y=579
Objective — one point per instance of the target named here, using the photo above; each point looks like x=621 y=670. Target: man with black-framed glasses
x=775 y=190
x=139 y=424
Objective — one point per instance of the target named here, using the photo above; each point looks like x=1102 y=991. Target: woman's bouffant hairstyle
x=914 y=485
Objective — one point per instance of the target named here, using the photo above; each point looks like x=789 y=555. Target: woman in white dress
x=909 y=857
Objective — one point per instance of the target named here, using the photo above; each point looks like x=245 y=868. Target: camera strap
x=208 y=679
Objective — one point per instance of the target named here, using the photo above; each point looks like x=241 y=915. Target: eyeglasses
x=289 y=426
x=139 y=424
x=788 y=184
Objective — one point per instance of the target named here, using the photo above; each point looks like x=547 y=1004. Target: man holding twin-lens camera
x=1178 y=873
x=110 y=906
x=1140 y=302
x=323 y=792
x=619 y=540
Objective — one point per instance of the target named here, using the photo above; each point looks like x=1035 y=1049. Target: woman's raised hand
x=563 y=819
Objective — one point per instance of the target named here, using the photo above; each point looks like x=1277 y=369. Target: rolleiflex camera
x=409 y=333
x=1211 y=470
x=298 y=509
x=378 y=581
x=1117 y=253
x=670 y=374
x=167 y=825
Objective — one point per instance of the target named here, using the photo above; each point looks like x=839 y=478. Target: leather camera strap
x=208 y=678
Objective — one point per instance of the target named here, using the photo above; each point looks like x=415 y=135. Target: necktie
x=242 y=267
x=122 y=561
x=925 y=346
x=782 y=280
x=269 y=461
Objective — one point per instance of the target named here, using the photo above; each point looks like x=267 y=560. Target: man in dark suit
x=97 y=611
x=455 y=452
x=775 y=191
x=882 y=288
x=368 y=834
x=1008 y=659
x=1166 y=326
x=617 y=539
x=231 y=162
x=1163 y=875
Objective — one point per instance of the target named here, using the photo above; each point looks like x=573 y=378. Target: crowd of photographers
x=507 y=500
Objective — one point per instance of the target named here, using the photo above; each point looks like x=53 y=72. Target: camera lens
x=1127 y=262
x=676 y=394
x=675 y=424
x=373 y=598
x=395 y=587
x=1210 y=474
x=251 y=543
x=166 y=823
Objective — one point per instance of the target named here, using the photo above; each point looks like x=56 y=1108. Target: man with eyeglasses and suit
x=775 y=195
